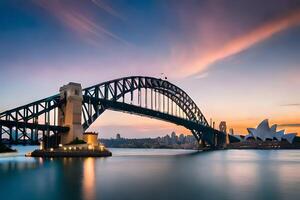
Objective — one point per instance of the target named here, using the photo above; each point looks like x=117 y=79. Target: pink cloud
x=107 y=8
x=196 y=59
x=85 y=25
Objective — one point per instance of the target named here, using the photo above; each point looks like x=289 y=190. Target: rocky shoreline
x=5 y=149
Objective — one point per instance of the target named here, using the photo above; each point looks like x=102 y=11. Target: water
x=140 y=174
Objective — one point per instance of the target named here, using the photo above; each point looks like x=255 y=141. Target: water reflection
x=89 y=178
x=12 y=165
x=136 y=174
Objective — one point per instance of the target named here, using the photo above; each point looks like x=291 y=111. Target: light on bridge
x=101 y=148
x=41 y=146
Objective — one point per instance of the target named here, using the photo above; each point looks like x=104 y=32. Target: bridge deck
x=42 y=127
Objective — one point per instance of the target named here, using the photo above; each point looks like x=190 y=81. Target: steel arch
x=27 y=122
x=115 y=91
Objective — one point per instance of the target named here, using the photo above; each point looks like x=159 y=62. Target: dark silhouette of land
x=5 y=149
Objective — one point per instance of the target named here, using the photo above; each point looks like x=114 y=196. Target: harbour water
x=147 y=174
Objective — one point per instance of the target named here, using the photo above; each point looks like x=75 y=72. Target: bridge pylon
x=70 y=113
x=201 y=144
x=63 y=117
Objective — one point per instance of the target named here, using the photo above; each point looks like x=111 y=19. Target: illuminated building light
x=102 y=148
x=41 y=146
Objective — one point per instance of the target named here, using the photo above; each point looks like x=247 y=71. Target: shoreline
x=73 y=153
x=6 y=149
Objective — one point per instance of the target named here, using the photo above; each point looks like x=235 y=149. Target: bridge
x=65 y=116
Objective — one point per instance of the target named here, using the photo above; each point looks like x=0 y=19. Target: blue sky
x=239 y=60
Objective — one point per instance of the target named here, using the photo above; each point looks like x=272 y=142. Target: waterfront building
x=91 y=138
x=264 y=132
x=167 y=140
x=173 y=138
x=181 y=138
x=118 y=136
x=174 y=141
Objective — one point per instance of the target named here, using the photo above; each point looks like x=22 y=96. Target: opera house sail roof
x=264 y=132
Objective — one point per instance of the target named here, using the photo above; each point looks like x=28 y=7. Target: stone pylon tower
x=223 y=128
x=70 y=115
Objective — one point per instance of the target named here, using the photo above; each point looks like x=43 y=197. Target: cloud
x=291 y=104
x=234 y=46
x=80 y=21
x=289 y=125
x=107 y=8
x=202 y=75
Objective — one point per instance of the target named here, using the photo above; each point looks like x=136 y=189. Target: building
x=173 y=138
x=118 y=136
x=264 y=132
x=91 y=138
x=265 y=137
x=181 y=138
x=223 y=127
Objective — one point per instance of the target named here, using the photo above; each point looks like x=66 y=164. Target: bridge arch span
x=152 y=94
x=141 y=95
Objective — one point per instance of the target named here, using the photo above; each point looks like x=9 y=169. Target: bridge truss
x=146 y=96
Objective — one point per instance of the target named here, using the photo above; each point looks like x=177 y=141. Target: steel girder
x=116 y=89
x=31 y=110
x=110 y=94
x=21 y=123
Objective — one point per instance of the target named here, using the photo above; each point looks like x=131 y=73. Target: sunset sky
x=238 y=60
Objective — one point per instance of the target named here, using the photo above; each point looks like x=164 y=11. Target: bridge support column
x=1 y=133
x=202 y=144
x=227 y=140
x=10 y=135
x=70 y=115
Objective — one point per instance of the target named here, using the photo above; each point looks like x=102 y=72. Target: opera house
x=264 y=132
x=265 y=137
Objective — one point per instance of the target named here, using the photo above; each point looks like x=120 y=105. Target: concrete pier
x=70 y=153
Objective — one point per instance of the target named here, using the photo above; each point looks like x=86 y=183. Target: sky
x=238 y=60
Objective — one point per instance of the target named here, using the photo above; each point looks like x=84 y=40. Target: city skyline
x=238 y=67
